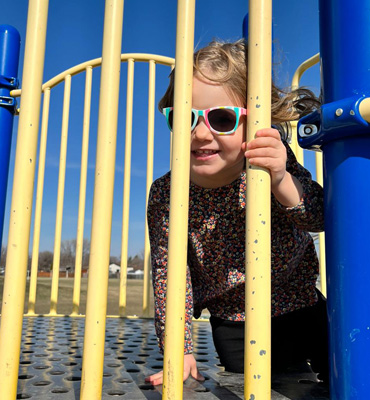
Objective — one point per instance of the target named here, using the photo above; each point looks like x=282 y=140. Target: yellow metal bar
x=97 y=290
x=126 y=188
x=149 y=180
x=60 y=199
x=319 y=173
x=257 y=362
x=21 y=206
x=38 y=206
x=173 y=363
x=137 y=57
x=82 y=199
x=322 y=258
x=298 y=151
x=302 y=68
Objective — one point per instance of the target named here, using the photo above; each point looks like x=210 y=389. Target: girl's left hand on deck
x=268 y=151
x=190 y=369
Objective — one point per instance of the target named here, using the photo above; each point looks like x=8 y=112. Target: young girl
x=216 y=238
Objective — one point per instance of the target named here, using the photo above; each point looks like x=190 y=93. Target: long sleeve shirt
x=216 y=249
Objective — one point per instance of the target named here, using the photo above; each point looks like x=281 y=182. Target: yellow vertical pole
x=298 y=151
x=126 y=188
x=257 y=362
x=149 y=180
x=319 y=173
x=38 y=206
x=82 y=198
x=322 y=258
x=21 y=206
x=96 y=307
x=60 y=199
x=173 y=362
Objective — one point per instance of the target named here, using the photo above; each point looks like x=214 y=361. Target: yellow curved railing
x=96 y=62
x=65 y=77
x=318 y=163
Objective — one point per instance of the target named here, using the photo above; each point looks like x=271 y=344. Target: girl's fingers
x=266 y=137
x=155 y=379
x=265 y=142
x=196 y=375
x=263 y=162
x=268 y=132
x=263 y=152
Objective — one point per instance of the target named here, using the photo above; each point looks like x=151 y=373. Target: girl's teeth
x=205 y=151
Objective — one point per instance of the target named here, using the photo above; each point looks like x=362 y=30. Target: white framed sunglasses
x=223 y=120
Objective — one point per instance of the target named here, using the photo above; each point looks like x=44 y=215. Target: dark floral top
x=216 y=241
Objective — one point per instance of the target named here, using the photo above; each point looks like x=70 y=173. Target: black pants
x=295 y=337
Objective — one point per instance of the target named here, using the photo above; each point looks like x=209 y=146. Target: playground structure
x=349 y=329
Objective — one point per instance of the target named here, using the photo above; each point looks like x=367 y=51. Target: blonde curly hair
x=226 y=63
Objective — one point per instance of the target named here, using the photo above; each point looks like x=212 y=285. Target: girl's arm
x=291 y=184
x=158 y=223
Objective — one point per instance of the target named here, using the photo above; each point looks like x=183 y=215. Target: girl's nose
x=201 y=131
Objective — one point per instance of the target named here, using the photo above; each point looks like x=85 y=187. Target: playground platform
x=51 y=363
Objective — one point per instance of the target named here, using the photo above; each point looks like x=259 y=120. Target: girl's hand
x=190 y=368
x=268 y=151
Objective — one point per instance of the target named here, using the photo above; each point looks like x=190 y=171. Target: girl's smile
x=204 y=154
x=216 y=160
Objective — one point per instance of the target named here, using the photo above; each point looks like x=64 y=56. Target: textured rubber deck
x=51 y=361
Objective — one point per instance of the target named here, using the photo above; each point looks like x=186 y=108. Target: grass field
x=134 y=302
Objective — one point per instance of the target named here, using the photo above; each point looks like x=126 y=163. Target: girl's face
x=215 y=160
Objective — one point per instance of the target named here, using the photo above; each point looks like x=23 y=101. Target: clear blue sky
x=74 y=35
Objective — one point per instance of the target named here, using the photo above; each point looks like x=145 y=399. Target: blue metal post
x=9 y=58
x=344 y=137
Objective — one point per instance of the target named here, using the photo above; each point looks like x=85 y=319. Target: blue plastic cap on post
x=10 y=41
x=9 y=58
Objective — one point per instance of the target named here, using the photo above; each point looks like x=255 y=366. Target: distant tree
x=137 y=263
x=86 y=253
x=45 y=260
x=114 y=260
x=68 y=253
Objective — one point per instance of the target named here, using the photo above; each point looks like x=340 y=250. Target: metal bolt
x=308 y=130
x=338 y=112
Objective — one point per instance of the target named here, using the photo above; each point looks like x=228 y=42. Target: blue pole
x=9 y=58
x=344 y=137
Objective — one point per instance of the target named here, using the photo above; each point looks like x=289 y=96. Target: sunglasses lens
x=222 y=119
x=170 y=118
x=192 y=118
